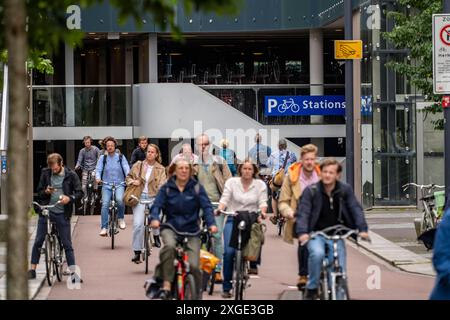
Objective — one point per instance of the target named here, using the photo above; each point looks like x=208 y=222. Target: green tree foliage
x=413 y=31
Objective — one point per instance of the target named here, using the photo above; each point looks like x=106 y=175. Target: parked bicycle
x=148 y=234
x=113 y=212
x=183 y=285
x=430 y=216
x=333 y=283
x=90 y=197
x=52 y=249
x=241 y=266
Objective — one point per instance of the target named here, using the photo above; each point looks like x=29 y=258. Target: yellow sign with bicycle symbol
x=347 y=49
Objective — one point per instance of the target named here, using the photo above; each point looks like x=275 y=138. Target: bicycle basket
x=439 y=201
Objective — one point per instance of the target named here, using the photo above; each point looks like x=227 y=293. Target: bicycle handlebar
x=141 y=201
x=48 y=206
x=335 y=236
x=234 y=213
x=113 y=184
x=421 y=186
x=183 y=234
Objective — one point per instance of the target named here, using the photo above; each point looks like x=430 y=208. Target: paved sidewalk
x=394 y=240
x=33 y=285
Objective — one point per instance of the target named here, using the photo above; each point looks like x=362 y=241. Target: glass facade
x=389 y=122
x=82 y=106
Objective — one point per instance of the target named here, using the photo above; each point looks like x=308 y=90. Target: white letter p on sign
x=272 y=103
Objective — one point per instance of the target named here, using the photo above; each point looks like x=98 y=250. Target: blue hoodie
x=182 y=208
x=441 y=259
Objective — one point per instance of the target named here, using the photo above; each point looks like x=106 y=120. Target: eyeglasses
x=203 y=144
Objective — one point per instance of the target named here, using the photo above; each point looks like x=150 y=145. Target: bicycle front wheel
x=341 y=289
x=280 y=226
x=147 y=246
x=112 y=227
x=190 y=292
x=48 y=251
x=239 y=276
x=58 y=258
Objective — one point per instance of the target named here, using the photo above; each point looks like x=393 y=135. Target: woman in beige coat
x=150 y=175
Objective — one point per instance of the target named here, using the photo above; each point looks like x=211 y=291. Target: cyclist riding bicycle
x=180 y=199
x=112 y=168
x=325 y=204
x=87 y=161
x=57 y=183
x=244 y=193
x=148 y=176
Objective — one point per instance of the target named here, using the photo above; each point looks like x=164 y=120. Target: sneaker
x=75 y=278
x=253 y=271
x=311 y=294
x=218 y=278
x=122 y=224
x=274 y=219
x=137 y=257
x=157 y=240
x=227 y=295
x=301 y=283
x=164 y=294
x=31 y=274
x=103 y=233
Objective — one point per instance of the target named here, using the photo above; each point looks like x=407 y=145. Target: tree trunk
x=17 y=254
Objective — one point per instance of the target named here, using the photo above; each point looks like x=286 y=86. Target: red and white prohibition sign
x=444 y=34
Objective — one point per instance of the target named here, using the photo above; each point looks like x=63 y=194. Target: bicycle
x=113 y=212
x=91 y=195
x=53 y=249
x=429 y=219
x=148 y=243
x=183 y=285
x=288 y=104
x=240 y=264
x=337 y=289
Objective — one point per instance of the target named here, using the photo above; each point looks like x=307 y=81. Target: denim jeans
x=228 y=256
x=106 y=199
x=218 y=242
x=63 y=228
x=316 y=249
x=138 y=223
x=302 y=256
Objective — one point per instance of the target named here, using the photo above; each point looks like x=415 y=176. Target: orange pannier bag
x=208 y=261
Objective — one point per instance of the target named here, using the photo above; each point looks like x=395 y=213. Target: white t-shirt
x=147 y=178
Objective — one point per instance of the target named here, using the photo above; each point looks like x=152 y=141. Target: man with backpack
x=112 y=168
x=300 y=175
x=212 y=172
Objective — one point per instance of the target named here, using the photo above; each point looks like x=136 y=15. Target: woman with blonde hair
x=150 y=175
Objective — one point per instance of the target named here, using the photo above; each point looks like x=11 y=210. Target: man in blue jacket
x=322 y=205
x=180 y=200
x=441 y=259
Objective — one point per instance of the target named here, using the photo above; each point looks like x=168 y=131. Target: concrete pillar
x=153 y=58
x=357 y=153
x=70 y=93
x=71 y=157
x=316 y=77
x=129 y=79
